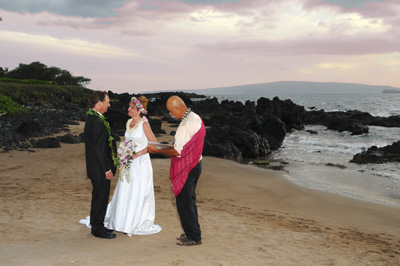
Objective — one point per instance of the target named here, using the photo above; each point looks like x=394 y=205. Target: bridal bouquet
x=126 y=150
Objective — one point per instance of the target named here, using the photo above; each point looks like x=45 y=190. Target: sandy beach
x=248 y=216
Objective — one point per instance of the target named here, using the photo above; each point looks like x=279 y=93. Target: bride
x=132 y=208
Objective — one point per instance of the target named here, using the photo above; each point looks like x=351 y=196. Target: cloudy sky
x=153 y=45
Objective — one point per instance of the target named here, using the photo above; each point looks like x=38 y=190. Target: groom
x=99 y=162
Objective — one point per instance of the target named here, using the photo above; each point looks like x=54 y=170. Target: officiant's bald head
x=176 y=107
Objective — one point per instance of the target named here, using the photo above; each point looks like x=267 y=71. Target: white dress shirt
x=186 y=130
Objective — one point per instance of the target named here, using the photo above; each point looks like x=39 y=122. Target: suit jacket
x=97 y=148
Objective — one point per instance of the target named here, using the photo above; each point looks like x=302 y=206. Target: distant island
x=298 y=87
x=391 y=91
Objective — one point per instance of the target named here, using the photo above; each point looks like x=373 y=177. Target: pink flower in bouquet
x=126 y=150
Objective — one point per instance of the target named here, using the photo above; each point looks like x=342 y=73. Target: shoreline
x=322 y=161
x=359 y=188
x=316 y=180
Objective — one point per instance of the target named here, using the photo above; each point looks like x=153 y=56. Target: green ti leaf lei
x=110 y=138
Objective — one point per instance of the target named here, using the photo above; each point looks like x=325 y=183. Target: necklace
x=186 y=114
x=110 y=138
x=132 y=127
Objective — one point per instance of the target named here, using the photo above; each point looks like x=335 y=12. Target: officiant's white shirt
x=186 y=130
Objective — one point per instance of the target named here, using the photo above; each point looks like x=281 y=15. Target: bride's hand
x=136 y=155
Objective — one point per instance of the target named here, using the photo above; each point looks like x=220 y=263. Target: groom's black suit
x=98 y=162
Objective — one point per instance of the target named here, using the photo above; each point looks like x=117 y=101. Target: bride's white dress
x=132 y=208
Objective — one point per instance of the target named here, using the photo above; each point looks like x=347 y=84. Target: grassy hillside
x=46 y=94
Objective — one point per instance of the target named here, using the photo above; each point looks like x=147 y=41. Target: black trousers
x=100 y=195
x=186 y=205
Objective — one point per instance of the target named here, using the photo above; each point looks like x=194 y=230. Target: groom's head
x=99 y=101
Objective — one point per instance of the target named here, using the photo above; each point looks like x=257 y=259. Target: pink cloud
x=54 y=20
x=384 y=9
x=344 y=45
x=154 y=10
x=311 y=4
x=381 y=9
x=143 y=17
x=136 y=11
x=135 y=18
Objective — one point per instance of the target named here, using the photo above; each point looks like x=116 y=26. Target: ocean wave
x=323 y=145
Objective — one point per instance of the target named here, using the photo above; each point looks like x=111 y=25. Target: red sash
x=190 y=156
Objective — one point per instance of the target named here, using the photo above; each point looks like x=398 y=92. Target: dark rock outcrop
x=270 y=128
x=250 y=130
x=69 y=138
x=229 y=141
x=234 y=130
x=354 y=121
x=16 y=131
x=46 y=143
x=30 y=128
x=346 y=124
x=117 y=119
x=390 y=153
x=155 y=125
x=289 y=113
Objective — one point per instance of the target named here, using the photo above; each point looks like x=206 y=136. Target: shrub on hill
x=7 y=105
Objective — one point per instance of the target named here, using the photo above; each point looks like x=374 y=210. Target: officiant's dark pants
x=186 y=205
x=100 y=194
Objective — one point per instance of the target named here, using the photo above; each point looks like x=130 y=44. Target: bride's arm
x=148 y=132
x=150 y=137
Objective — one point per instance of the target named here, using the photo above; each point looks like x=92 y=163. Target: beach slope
x=248 y=215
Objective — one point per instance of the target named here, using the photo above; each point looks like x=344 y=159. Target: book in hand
x=161 y=145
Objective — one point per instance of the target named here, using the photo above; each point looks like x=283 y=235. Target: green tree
x=35 y=70
x=3 y=72
x=39 y=71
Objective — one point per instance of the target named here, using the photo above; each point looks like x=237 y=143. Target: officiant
x=185 y=167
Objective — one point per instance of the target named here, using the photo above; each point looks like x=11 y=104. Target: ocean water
x=321 y=161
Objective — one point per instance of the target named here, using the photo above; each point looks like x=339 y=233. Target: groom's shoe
x=102 y=229
x=104 y=234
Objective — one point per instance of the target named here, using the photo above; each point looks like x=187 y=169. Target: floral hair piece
x=138 y=105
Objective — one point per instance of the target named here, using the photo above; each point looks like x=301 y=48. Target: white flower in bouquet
x=126 y=150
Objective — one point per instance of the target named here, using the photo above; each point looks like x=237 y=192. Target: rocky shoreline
x=21 y=132
x=235 y=130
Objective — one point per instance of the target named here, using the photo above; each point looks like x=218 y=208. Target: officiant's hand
x=152 y=149
x=109 y=175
